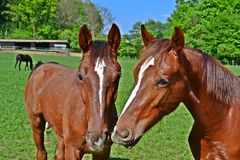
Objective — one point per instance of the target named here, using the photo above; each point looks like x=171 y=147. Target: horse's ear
x=84 y=38
x=178 y=40
x=146 y=36
x=114 y=37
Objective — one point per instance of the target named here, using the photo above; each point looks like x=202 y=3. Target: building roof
x=33 y=41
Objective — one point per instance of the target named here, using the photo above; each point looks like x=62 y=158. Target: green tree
x=70 y=13
x=106 y=16
x=94 y=19
x=32 y=14
x=156 y=28
x=184 y=16
x=135 y=39
x=132 y=43
x=210 y=25
x=74 y=13
x=126 y=48
x=4 y=18
x=51 y=19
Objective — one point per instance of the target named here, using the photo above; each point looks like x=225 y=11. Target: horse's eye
x=80 y=77
x=163 y=82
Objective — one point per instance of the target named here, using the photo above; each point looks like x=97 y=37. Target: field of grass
x=166 y=141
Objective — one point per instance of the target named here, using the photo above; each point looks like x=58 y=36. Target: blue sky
x=127 y=12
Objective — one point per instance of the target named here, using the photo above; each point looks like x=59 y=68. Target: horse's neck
x=205 y=110
x=192 y=67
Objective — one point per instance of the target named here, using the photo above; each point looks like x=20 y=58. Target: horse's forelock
x=98 y=49
x=157 y=49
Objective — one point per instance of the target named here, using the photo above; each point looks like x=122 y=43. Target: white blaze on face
x=146 y=64
x=99 y=68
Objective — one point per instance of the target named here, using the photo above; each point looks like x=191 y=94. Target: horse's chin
x=132 y=143
x=96 y=149
x=98 y=146
x=128 y=144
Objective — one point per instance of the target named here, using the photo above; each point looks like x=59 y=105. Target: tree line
x=51 y=19
x=210 y=25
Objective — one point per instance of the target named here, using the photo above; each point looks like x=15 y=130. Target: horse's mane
x=219 y=81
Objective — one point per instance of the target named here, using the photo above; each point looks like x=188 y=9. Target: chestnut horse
x=77 y=104
x=169 y=73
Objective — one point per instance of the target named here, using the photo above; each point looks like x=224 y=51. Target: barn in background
x=34 y=45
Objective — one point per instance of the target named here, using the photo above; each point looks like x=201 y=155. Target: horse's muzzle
x=96 y=143
x=124 y=137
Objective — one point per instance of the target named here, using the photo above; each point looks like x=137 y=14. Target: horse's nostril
x=124 y=133
x=95 y=142
x=90 y=137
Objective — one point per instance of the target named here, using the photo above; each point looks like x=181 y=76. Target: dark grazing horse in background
x=77 y=104
x=23 y=58
x=167 y=74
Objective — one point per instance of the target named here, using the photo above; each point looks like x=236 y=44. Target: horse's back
x=27 y=57
x=46 y=89
x=49 y=72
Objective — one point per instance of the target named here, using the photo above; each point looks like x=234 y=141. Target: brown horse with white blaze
x=78 y=104
x=169 y=73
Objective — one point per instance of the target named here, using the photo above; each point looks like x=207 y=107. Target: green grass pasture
x=167 y=140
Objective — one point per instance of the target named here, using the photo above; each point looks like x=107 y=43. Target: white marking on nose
x=99 y=142
x=146 y=64
x=99 y=68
